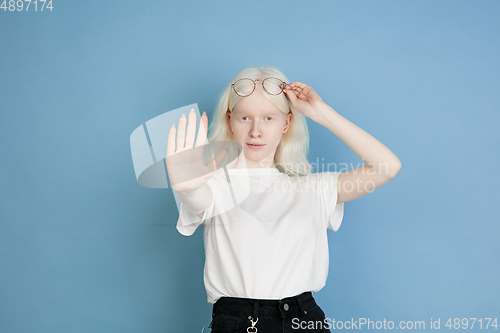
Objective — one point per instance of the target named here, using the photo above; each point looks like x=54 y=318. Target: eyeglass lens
x=245 y=87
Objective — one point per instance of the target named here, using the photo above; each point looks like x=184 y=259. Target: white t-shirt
x=266 y=237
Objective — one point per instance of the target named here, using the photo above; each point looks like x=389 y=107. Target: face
x=254 y=120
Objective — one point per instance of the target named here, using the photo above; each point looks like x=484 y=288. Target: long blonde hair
x=291 y=153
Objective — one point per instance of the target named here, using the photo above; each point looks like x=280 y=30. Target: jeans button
x=286 y=307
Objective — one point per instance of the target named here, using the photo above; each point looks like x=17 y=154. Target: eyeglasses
x=245 y=87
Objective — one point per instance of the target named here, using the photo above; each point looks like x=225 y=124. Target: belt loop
x=255 y=309
x=301 y=306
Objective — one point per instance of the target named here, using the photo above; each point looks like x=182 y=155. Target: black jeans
x=288 y=315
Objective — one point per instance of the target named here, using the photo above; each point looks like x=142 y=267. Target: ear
x=289 y=118
x=229 y=121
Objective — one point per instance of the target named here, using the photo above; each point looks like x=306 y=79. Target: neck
x=244 y=163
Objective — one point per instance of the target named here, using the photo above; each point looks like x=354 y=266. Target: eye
x=269 y=118
x=243 y=118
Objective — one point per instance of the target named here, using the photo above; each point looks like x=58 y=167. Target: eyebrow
x=261 y=113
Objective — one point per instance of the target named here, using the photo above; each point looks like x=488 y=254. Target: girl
x=265 y=217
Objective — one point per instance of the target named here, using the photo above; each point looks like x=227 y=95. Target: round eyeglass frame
x=283 y=84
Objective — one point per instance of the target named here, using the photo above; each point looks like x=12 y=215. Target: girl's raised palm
x=185 y=165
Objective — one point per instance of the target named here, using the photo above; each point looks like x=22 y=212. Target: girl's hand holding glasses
x=305 y=99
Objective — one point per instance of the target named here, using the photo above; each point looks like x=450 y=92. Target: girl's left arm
x=381 y=163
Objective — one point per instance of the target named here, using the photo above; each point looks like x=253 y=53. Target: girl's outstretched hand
x=304 y=98
x=185 y=164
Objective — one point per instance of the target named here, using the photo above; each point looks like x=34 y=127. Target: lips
x=255 y=146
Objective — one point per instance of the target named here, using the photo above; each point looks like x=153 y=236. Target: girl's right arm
x=186 y=168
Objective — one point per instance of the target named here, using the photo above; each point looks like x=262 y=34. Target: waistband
x=286 y=307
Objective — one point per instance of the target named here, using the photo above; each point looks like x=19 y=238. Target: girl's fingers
x=291 y=95
x=181 y=133
x=299 y=85
x=202 y=131
x=191 y=129
x=295 y=90
x=171 y=141
x=301 y=94
x=301 y=91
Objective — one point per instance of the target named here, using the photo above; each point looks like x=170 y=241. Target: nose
x=255 y=131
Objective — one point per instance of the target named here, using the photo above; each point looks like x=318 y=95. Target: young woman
x=265 y=215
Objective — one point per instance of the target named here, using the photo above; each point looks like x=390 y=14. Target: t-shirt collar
x=255 y=171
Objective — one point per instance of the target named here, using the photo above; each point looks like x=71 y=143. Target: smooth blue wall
x=84 y=248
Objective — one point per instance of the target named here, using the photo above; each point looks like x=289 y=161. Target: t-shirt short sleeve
x=335 y=211
x=188 y=222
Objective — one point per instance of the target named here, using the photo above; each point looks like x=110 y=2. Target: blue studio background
x=84 y=248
